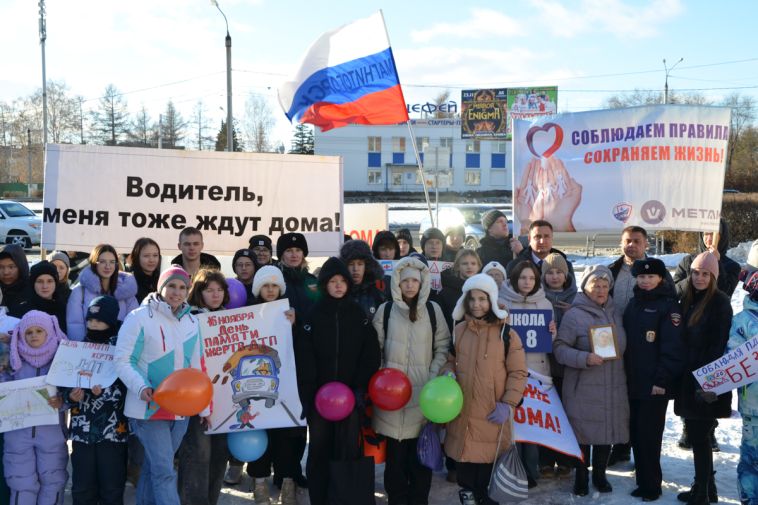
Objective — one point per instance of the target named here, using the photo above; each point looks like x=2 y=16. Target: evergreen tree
x=221 y=138
x=142 y=129
x=172 y=128
x=302 y=140
x=110 y=122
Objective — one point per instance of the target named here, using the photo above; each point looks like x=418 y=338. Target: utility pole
x=42 y=39
x=666 y=85
x=228 y=44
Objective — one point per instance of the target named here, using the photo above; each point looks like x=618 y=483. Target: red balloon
x=185 y=392
x=390 y=389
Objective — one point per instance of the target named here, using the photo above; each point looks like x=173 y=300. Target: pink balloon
x=237 y=294
x=334 y=401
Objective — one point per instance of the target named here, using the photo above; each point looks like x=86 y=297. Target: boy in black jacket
x=336 y=343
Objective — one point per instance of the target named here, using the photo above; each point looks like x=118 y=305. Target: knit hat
x=410 y=273
x=39 y=356
x=489 y=218
x=597 y=272
x=484 y=283
x=42 y=268
x=708 y=262
x=649 y=266
x=431 y=233
x=104 y=308
x=289 y=240
x=261 y=240
x=494 y=265
x=405 y=234
x=333 y=266
x=171 y=273
x=61 y=256
x=555 y=260
x=247 y=253
x=268 y=275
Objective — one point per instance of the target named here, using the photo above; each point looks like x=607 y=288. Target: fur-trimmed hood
x=360 y=250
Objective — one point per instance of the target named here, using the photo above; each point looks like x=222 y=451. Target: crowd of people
x=351 y=319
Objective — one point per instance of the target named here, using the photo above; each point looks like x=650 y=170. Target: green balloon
x=441 y=400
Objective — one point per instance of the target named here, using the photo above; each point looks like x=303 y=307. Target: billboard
x=483 y=113
x=527 y=103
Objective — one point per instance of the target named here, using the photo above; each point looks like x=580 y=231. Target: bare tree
x=62 y=112
x=648 y=97
x=142 y=132
x=201 y=125
x=258 y=123
x=743 y=115
x=442 y=98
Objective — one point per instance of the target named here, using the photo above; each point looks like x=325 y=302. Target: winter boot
x=684 y=440
x=698 y=494
x=581 y=478
x=712 y=491
x=261 y=494
x=287 y=496
x=619 y=454
x=466 y=497
x=599 y=464
x=233 y=475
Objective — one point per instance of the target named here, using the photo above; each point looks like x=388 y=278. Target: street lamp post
x=668 y=71
x=228 y=40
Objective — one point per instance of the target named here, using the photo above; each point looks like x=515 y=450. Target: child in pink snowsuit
x=35 y=458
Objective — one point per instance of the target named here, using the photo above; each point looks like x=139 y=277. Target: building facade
x=381 y=158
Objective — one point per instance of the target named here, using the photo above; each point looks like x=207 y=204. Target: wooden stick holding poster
x=250 y=360
x=23 y=403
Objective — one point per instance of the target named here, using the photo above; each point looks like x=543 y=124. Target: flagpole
x=421 y=172
x=410 y=131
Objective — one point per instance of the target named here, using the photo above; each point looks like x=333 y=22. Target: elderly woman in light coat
x=594 y=388
x=410 y=345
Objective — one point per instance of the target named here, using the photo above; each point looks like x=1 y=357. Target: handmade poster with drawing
x=23 y=403
x=603 y=341
x=83 y=365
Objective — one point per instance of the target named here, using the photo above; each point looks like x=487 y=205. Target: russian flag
x=348 y=76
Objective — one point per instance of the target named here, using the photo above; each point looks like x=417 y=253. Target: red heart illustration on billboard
x=545 y=128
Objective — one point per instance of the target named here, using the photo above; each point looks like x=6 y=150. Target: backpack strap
x=432 y=316
x=387 y=310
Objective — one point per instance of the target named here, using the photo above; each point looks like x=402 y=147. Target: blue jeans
x=747 y=469
x=161 y=439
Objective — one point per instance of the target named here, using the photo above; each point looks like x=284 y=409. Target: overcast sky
x=156 y=50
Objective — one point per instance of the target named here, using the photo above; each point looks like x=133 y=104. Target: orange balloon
x=185 y=392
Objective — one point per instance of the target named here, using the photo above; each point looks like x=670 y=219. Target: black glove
x=707 y=396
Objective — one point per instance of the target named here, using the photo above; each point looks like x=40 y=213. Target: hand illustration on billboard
x=547 y=192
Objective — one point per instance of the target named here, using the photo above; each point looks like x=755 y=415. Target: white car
x=19 y=225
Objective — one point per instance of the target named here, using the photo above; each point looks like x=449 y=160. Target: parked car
x=19 y=225
x=468 y=215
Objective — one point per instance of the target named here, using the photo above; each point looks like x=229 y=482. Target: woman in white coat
x=410 y=344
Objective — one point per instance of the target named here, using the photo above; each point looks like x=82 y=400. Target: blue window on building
x=421 y=155
x=472 y=160
x=498 y=160
x=375 y=159
x=398 y=158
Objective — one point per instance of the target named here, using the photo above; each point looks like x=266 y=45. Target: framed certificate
x=603 y=341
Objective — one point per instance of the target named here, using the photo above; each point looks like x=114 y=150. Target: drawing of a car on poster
x=256 y=377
